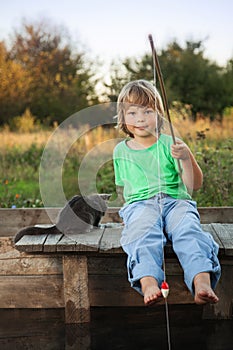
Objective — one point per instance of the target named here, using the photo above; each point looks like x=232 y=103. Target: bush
x=23 y=123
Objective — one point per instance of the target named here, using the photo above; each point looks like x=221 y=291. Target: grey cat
x=79 y=215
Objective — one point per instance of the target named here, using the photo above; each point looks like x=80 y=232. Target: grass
x=90 y=158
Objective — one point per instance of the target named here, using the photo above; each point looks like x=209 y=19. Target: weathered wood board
x=11 y=220
x=89 y=270
x=108 y=240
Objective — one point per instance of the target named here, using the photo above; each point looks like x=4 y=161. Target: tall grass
x=20 y=155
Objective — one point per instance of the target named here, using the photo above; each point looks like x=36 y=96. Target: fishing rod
x=156 y=69
x=163 y=91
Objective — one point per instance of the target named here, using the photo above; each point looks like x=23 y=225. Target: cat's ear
x=105 y=196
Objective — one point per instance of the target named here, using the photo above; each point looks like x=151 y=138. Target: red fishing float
x=165 y=289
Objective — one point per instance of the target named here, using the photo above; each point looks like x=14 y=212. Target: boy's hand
x=180 y=150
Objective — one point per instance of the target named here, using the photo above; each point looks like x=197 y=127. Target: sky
x=111 y=29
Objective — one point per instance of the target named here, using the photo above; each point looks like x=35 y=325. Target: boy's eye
x=149 y=111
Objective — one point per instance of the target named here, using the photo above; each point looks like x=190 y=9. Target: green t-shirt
x=147 y=172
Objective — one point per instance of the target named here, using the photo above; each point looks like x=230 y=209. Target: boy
x=158 y=205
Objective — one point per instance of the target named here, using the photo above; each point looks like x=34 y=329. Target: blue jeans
x=143 y=240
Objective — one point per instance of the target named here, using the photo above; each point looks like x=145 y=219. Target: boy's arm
x=192 y=174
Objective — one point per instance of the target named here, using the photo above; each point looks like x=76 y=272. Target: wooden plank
x=66 y=245
x=207 y=214
x=16 y=323
x=7 y=249
x=75 y=274
x=22 y=329
x=108 y=240
x=88 y=241
x=31 y=243
x=209 y=228
x=22 y=217
x=229 y=227
x=216 y=214
x=9 y=231
x=145 y=328
x=31 y=265
x=111 y=240
x=11 y=220
x=45 y=342
x=107 y=264
x=31 y=291
x=225 y=234
x=50 y=245
x=116 y=265
x=116 y=291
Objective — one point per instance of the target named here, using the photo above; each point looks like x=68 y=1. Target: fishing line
x=164 y=286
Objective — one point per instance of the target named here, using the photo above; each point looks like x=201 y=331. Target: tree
x=61 y=79
x=188 y=76
x=14 y=86
x=192 y=79
x=228 y=84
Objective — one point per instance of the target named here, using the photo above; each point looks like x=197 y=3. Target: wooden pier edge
x=48 y=272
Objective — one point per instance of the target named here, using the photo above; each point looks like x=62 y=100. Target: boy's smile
x=140 y=121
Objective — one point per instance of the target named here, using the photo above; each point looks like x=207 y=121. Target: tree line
x=43 y=71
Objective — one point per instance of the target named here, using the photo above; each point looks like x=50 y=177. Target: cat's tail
x=34 y=230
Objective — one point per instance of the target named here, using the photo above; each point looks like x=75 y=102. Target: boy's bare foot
x=150 y=289
x=203 y=292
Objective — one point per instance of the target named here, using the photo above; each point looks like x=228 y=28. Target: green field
x=20 y=157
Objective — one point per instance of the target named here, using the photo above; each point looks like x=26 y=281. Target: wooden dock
x=55 y=271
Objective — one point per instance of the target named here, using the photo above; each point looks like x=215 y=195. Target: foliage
x=43 y=72
x=23 y=123
x=105 y=179
x=228 y=84
x=44 y=79
x=211 y=142
x=188 y=76
x=217 y=165
x=19 y=185
x=14 y=86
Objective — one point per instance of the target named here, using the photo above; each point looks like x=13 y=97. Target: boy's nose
x=140 y=117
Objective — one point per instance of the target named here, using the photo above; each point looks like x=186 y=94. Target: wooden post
x=75 y=276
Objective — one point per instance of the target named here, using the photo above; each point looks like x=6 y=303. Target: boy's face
x=140 y=121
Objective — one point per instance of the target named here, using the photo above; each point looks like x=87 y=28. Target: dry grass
x=184 y=127
x=214 y=130
x=23 y=140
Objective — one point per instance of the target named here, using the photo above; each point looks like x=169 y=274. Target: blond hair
x=139 y=92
